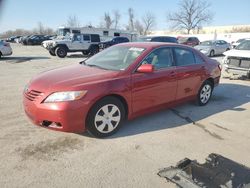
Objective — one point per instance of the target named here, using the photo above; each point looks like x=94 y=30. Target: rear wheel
x=0 y=55
x=94 y=50
x=211 y=53
x=61 y=52
x=205 y=93
x=105 y=117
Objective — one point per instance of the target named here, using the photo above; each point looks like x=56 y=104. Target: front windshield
x=207 y=43
x=245 y=45
x=240 y=40
x=115 y=58
x=63 y=32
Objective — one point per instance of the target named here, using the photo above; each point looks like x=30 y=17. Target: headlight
x=26 y=87
x=65 y=96
x=225 y=60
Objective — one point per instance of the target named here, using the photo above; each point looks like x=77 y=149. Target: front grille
x=32 y=95
x=239 y=62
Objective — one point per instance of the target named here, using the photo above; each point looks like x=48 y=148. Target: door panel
x=189 y=73
x=189 y=79
x=78 y=43
x=153 y=89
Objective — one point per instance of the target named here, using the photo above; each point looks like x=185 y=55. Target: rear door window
x=86 y=37
x=184 y=57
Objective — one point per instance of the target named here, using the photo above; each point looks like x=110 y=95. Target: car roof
x=157 y=37
x=151 y=44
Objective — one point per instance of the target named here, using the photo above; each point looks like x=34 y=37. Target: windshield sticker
x=136 y=49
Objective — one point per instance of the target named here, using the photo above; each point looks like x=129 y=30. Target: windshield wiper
x=93 y=65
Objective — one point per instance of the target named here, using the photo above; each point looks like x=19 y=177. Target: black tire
x=85 y=52
x=100 y=127
x=211 y=54
x=203 y=97
x=61 y=52
x=0 y=55
x=248 y=74
x=227 y=49
x=51 y=52
x=94 y=50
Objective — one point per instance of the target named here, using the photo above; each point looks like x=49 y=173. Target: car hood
x=238 y=53
x=73 y=77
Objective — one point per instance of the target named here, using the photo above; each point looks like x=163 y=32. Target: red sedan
x=121 y=82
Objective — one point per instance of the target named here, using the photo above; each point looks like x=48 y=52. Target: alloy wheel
x=205 y=93
x=107 y=118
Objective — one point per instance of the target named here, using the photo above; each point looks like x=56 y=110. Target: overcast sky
x=53 y=13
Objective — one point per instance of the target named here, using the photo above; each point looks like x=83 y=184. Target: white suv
x=5 y=48
x=88 y=44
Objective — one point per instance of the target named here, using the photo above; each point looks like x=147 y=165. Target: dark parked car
x=158 y=39
x=122 y=82
x=24 y=39
x=190 y=41
x=37 y=39
x=12 y=39
x=112 y=42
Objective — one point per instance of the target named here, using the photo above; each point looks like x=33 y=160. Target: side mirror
x=146 y=68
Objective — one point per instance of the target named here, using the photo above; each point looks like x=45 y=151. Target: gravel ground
x=32 y=156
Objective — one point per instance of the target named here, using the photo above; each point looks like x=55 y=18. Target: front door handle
x=172 y=74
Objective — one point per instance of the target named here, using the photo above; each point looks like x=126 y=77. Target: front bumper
x=48 y=47
x=60 y=116
x=237 y=70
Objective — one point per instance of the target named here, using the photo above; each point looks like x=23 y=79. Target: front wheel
x=105 y=117
x=205 y=93
x=85 y=52
x=61 y=52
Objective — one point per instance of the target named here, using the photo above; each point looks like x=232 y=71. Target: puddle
x=216 y=172
x=47 y=149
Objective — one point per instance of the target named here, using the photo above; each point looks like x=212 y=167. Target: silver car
x=213 y=47
x=5 y=48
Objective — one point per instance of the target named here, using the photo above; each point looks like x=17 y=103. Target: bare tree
x=148 y=21
x=40 y=28
x=73 y=21
x=191 y=15
x=139 y=27
x=117 y=17
x=131 y=19
x=108 y=20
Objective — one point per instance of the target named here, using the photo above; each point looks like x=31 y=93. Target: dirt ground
x=32 y=156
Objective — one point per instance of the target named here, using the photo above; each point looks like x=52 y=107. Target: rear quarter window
x=95 y=38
